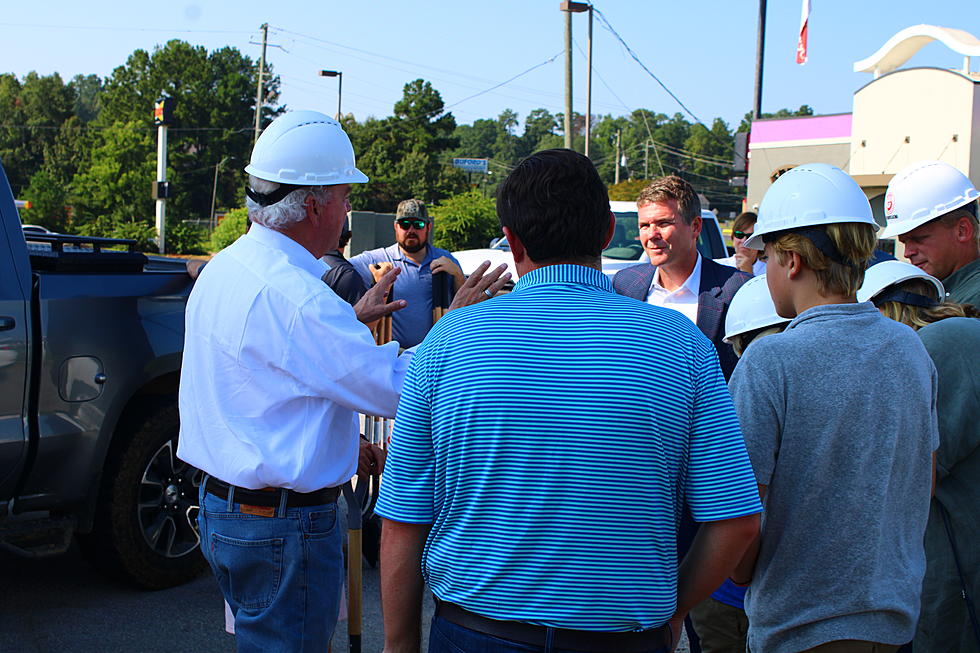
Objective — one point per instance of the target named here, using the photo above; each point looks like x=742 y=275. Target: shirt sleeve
x=408 y=491
x=361 y=263
x=720 y=484
x=757 y=405
x=330 y=354
x=346 y=282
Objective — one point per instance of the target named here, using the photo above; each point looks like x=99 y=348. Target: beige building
x=900 y=116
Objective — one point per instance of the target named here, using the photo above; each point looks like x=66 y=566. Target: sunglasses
x=741 y=234
x=406 y=223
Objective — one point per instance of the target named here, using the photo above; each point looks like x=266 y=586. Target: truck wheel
x=145 y=526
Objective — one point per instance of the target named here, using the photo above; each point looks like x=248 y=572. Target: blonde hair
x=919 y=316
x=854 y=240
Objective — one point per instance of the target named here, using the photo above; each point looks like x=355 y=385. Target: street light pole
x=574 y=8
x=340 y=85
x=214 y=189
x=588 y=92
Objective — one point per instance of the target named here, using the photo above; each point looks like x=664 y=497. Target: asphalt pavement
x=62 y=604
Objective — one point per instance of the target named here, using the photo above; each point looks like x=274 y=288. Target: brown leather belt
x=592 y=641
x=270 y=497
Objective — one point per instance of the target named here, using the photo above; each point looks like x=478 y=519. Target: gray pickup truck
x=91 y=334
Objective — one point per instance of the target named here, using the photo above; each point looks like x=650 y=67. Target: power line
x=105 y=28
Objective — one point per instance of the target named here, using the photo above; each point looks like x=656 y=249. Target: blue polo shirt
x=550 y=437
x=410 y=324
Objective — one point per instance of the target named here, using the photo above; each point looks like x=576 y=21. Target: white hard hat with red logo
x=924 y=191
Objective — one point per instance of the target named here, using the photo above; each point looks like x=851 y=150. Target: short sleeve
x=361 y=263
x=756 y=405
x=408 y=489
x=720 y=484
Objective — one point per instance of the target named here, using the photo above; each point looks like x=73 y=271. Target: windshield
x=625 y=244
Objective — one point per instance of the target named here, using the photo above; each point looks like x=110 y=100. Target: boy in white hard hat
x=932 y=208
x=842 y=446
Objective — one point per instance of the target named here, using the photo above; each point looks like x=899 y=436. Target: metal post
x=258 y=92
x=568 y=80
x=618 y=135
x=588 y=92
x=340 y=88
x=646 y=158
x=161 y=176
x=760 y=49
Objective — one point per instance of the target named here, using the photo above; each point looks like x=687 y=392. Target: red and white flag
x=801 y=44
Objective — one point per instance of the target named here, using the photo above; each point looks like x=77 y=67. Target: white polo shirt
x=275 y=368
x=684 y=299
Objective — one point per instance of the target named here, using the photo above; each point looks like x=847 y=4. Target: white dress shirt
x=759 y=267
x=275 y=368
x=684 y=299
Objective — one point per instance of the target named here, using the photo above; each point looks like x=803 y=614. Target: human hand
x=480 y=286
x=445 y=264
x=370 y=459
x=379 y=270
x=676 y=625
x=374 y=304
x=745 y=258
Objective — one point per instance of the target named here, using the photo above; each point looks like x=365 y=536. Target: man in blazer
x=678 y=277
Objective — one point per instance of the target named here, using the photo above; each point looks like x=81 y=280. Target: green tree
x=407 y=154
x=31 y=113
x=465 y=221
x=214 y=97
x=114 y=184
x=229 y=229
x=804 y=110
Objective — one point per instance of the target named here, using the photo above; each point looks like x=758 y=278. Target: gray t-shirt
x=839 y=417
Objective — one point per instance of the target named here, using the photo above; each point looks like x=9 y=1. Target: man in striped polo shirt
x=545 y=443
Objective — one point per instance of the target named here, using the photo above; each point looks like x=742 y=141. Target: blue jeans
x=447 y=637
x=282 y=575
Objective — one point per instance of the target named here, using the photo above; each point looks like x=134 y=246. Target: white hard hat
x=751 y=309
x=881 y=276
x=924 y=191
x=809 y=195
x=305 y=148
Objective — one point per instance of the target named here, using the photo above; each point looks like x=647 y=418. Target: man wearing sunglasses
x=744 y=259
x=418 y=261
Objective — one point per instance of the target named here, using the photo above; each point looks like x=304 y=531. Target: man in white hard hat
x=275 y=365
x=842 y=447
x=932 y=208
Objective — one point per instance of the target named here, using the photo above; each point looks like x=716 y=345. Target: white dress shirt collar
x=683 y=299
x=295 y=253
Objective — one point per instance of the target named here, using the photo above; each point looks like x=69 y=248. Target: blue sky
x=704 y=51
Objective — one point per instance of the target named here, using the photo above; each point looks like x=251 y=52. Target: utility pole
x=258 y=92
x=588 y=91
x=568 y=79
x=618 y=136
x=646 y=157
x=760 y=48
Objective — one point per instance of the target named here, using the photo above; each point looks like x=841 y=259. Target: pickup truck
x=91 y=335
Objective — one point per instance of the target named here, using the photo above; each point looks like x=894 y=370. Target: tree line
x=83 y=152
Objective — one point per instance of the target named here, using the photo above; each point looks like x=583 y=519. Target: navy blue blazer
x=718 y=286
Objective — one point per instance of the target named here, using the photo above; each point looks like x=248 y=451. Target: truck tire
x=145 y=528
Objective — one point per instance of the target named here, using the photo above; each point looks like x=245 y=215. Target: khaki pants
x=853 y=646
x=722 y=628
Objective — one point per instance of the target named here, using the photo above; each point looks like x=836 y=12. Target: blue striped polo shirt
x=550 y=436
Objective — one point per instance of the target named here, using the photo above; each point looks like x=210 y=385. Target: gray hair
x=287 y=211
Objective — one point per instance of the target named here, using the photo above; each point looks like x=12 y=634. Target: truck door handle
x=7 y=323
